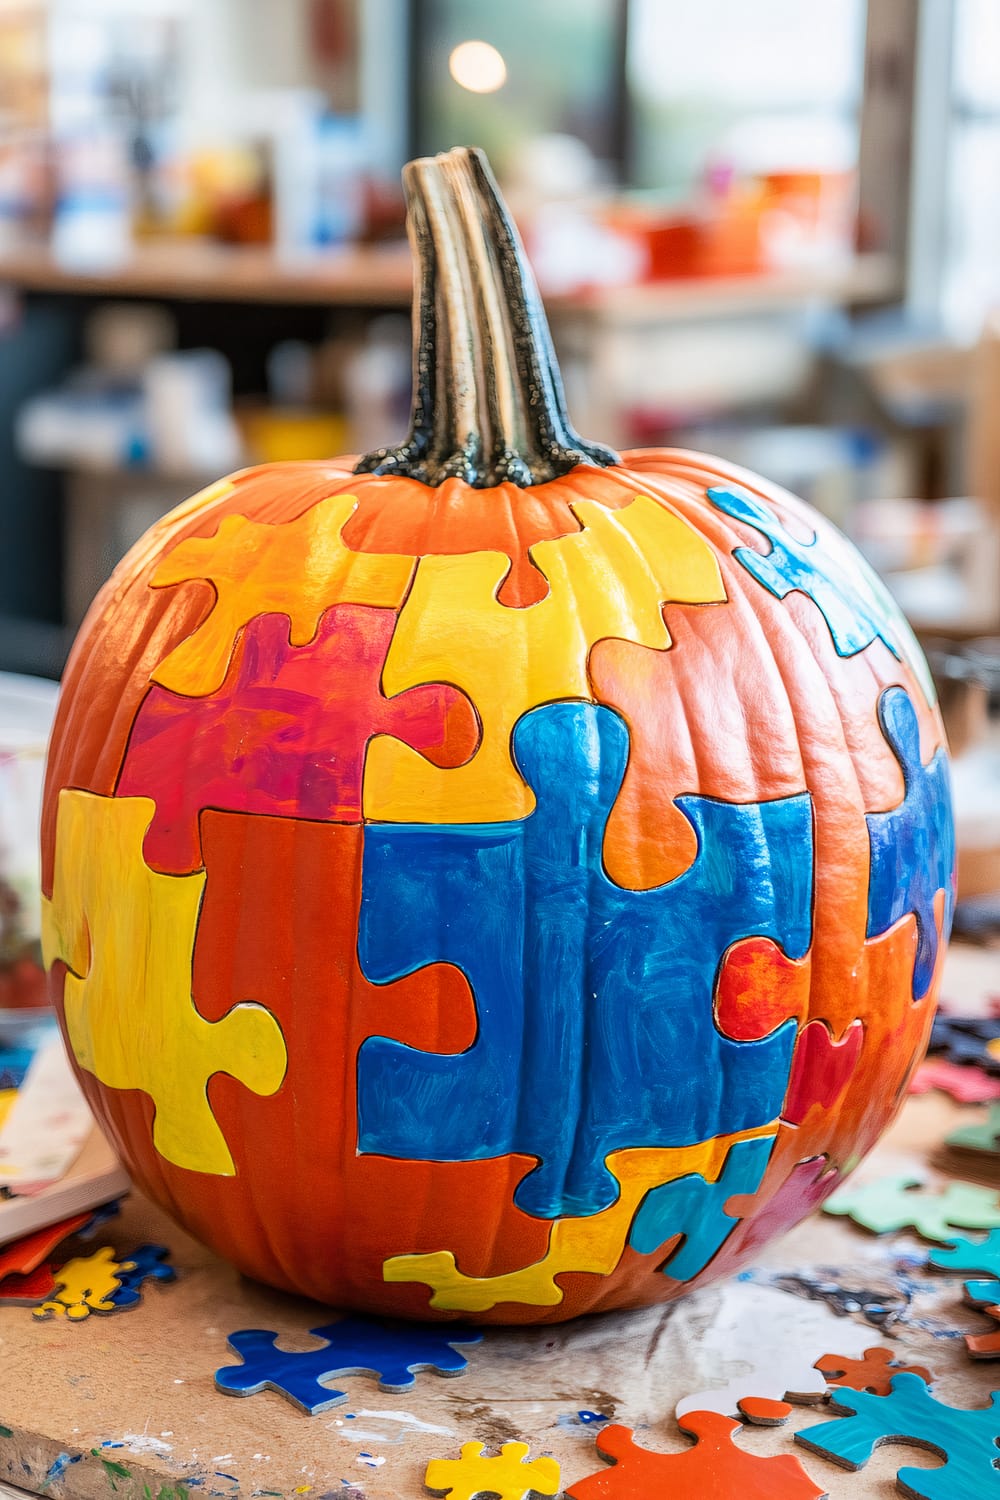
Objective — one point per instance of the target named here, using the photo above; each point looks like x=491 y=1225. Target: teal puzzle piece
x=692 y=1201
x=594 y=1003
x=910 y=1414
x=851 y=597
x=963 y=1254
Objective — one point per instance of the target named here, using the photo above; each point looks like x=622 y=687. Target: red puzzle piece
x=873 y=1373
x=821 y=1068
x=28 y=1290
x=25 y=1255
x=713 y=1470
x=286 y=733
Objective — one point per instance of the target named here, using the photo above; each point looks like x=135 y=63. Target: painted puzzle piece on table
x=296 y=568
x=353 y=1347
x=592 y=1243
x=28 y=1290
x=86 y=1285
x=912 y=845
x=26 y=1254
x=611 y=579
x=966 y=1039
x=762 y=1411
x=147 y=1263
x=509 y=1476
x=100 y=1217
x=715 y=1469
x=851 y=597
x=910 y=1414
x=123 y=930
x=872 y=1373
x=696 y=1208
x=984 y=1293
x=965 y=1085
x=963 y=1254
x=286 y=734
x=895 y=1203
x=556 y=987
x=983 y=1137
x=983 y=1345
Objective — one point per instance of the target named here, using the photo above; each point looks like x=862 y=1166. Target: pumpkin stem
x=488 y=402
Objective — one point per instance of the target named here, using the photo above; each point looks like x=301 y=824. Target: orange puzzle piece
x=715 y=1469
x=872 y=1373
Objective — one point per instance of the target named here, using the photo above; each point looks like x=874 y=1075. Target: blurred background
x=765 y=230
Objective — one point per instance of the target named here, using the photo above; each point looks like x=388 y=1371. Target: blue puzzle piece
x=596 y=1029
x=910 y=1414
x=853 y=600
x=963 y=1254
x=149 y=1262
x=983 y=1293
x=912 y=845
x=354 y=1347
x=99 y=1218
x=696 y=1208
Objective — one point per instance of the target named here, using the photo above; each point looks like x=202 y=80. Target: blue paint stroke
x=596 y=1029
x=912 y=845
x=58 y=1467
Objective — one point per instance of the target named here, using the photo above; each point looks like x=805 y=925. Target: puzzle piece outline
x=853 y=601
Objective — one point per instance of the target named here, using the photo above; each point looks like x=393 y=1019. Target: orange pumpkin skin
x=749 y=703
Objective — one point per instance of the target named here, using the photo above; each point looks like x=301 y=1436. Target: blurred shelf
x=379 y=276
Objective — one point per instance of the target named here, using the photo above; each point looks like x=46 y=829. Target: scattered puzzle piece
x=912 y=845
x=286 y=733
x=696 y=1208
x=29 y=1289
x=354 y=1347
x=565 y=963
x=984 y=1136
x=297 y=568
x=27 y=1254
x=895 y=1203
x=872 y=1373
x=763 y=1411
x=967 y=1040
x=86 y=1285
x=965 y=1085
x=910 y=1414
x=508 y=1476
x=985 y=1293
x=962 y=1254
x=591 y=1243
x=147 y=1263
x=715 y=1469
x=124 y=930
x=984 y=1345
x=609 y=580
x=853 y=600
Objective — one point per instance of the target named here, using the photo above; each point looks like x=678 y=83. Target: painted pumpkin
x=497 y=878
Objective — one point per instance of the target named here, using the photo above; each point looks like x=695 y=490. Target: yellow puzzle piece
x=593 y=1243
x=298 y=568
x=127 y=935
x=507 y=1475
x=611 y=579
x=86 y=1285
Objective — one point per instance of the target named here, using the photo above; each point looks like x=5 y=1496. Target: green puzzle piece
x=895 y=1203
x=983 y=1137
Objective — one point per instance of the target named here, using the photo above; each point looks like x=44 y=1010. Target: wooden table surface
x=127 y=1404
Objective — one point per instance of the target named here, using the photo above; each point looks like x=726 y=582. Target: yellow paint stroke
x=611 y=579
x=127 y=935
x=593 y=1243
x=297 y=568
x=7 y=1097
x=506 y=1475
x=86 y=1285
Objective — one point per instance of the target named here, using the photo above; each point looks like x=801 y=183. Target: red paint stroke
x=821 y=1068
x=286 y=734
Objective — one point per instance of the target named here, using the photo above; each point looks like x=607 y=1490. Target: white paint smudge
x=370 y=1460
x=412 y=1422
x=142 y=1442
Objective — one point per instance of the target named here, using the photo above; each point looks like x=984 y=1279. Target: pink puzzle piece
x=287 y=732
x=967 y=1085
